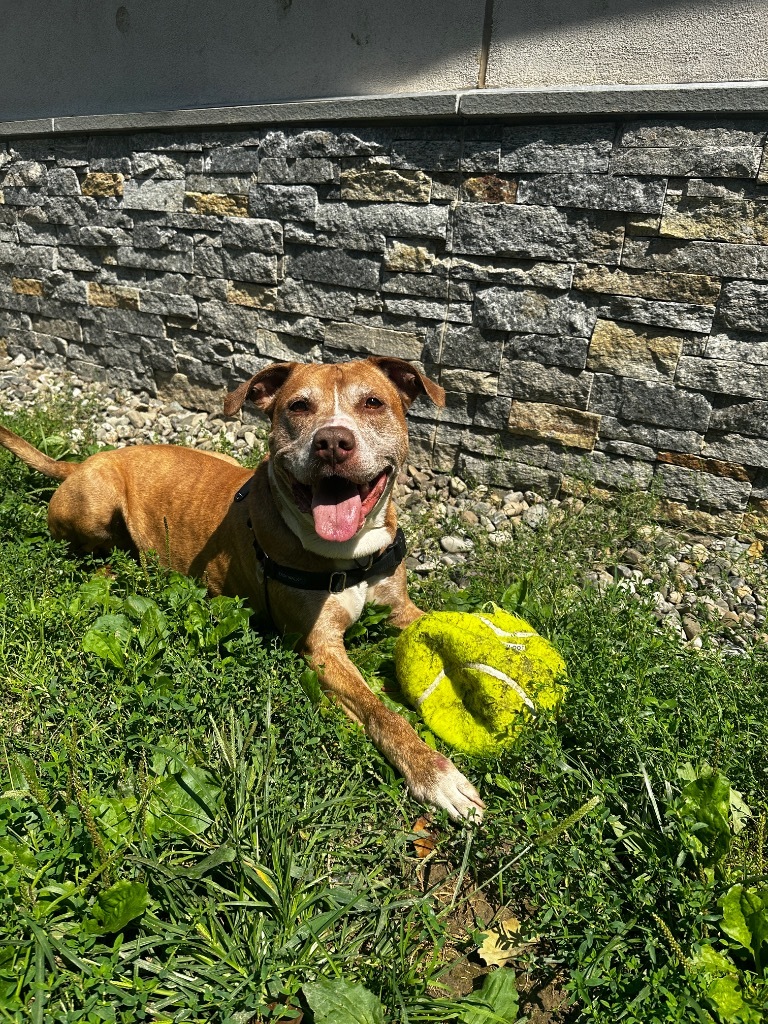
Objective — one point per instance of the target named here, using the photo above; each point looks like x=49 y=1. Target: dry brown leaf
x=502 y=941
x=755 y=549
x=423 y=845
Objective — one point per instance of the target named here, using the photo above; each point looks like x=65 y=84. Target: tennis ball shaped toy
x=477 y=678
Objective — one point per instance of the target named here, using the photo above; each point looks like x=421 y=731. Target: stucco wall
x=91 y=57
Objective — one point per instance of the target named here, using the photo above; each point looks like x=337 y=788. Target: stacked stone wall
x=591 y=296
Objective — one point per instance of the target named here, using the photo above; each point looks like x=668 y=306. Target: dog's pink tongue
x=336 y=509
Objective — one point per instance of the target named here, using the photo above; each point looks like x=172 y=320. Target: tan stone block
x=375 y=341
x=414 y=259
x=719 y=220
x=645 y=353
x=255 y=296
x=2 y=197
x=696 y=288
x=701 y=465
x=570 y=427
x=113 y=296
x=698 y=521
x=3 y=348
x=385 y=185
x=102 y=185
x=27 y=286
x=213 y=204
x=473 y=382
x=489 y=188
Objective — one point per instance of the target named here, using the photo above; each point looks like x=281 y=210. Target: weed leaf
x=108 y=638
x=336 y=1001
x=745 y=919
x=183 y=804
x=496 y=1002
x=116 y=907
x=705 y=805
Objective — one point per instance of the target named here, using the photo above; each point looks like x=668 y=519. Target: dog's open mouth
x=339 y=506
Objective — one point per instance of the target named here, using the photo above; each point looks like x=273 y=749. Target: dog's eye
x=373 y=403
x=300 y=405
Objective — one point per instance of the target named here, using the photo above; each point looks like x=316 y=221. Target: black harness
x=331 y=582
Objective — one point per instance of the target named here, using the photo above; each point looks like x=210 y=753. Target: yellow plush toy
x=477 y=678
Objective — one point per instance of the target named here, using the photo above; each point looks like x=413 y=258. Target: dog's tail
x=34 y=458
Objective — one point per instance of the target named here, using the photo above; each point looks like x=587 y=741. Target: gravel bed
x=698 y=585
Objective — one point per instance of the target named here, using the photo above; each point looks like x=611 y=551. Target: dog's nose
x=334 y=444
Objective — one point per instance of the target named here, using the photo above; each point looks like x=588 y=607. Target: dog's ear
x=261 y=388
x=408 y=380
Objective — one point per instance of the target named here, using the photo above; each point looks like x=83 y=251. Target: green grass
x=186 y=835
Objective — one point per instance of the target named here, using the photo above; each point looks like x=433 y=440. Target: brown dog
x=307 y=538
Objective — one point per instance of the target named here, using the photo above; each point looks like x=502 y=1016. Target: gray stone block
x=128 y=321
x=532 y=382
x=162 y=196
x=501 y=309
x=703 y=490
x=152 y=235
x=649 y=402
x=375 y=341
x=493 y=412
x=689 y=162
x=682 y=316
x=368 y=227
x=145 y=259
x=465 y=347
x=509 y=475
x=427 y=155
x=233 y=160
x=278 y=170
x=96 y=235
x=533 y=232
x=168 y=304
x=289 y=202
x=723 y=377
x=315 y=299
x=334 y=267
x=695 y=257
x=561 y=147
x=251 y=266
x=659 y=439
x=744 y=305
x=427 y=285
x=750 y=418
x=749 y=348
x=455 y=312
x=608 y=470
x=223 y=320
x=666 y=134
x=549 y=349
x=747 y=451
x=247 y=233
x=517 y=273
x=593 y=192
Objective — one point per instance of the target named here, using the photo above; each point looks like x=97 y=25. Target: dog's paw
x=454 y=793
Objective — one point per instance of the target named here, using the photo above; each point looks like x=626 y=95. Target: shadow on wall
x=95 y=57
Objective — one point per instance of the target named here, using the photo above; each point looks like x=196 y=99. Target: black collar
x=331 y=582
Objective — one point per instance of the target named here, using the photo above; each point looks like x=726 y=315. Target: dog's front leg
x=430 y=776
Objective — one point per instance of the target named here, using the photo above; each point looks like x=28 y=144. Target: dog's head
x=338 y=436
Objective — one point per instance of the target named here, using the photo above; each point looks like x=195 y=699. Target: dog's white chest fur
x=353 y=599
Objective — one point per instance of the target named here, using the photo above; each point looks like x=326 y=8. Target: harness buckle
x=337 y=583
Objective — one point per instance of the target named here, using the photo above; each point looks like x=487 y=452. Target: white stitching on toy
x=504 y=678
x=431 y=688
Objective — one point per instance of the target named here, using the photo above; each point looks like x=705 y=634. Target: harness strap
x=332 y=582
